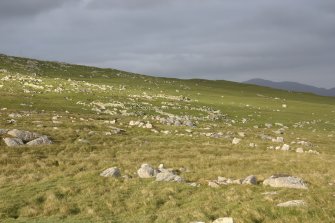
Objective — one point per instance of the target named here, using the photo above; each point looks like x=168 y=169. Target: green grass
x=61 y=182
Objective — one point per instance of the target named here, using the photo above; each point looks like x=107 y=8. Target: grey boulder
x=146 y=171
x=168 y=176
x=25 y=136
x=285 y=181
x=13 y=142
x=43 y=140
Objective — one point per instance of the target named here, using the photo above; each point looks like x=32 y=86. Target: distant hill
x=292 y=86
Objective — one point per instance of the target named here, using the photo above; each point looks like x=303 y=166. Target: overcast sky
x=215 y=39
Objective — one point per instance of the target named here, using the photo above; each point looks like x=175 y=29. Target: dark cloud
x=215 y=39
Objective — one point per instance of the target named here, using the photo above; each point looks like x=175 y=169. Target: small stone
x=293 y=203
x=241 y=134
x=270 y=193
x=250 y=180
x=194 y=184
x=189 y=123
x=236 y=141
x=213 y=184
x=224 y=220
x=278 y=139
x=252 y=145
x=285 y=147
x=111 y=172
x=222 y=179
x=238 y=181
x=299 y=150
x=148 y=126
x=313 y=152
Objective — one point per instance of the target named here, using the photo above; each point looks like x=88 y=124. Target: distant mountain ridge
x=292 y=86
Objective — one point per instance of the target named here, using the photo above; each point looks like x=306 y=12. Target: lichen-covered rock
x=25 y=136
x=43 y=140
x=285 y=181
x=111 y=172
x=13 y=142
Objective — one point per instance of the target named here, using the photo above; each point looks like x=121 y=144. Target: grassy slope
x=61 y=182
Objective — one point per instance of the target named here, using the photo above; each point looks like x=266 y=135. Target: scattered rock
x=13 y=142
x=293 y=203
x=43 y=140
x=285 y=181
x=146 y=171
x=111 y=172
x=250 y=180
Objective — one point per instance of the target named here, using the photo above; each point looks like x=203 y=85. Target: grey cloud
x=22 y=8
x=215 y=39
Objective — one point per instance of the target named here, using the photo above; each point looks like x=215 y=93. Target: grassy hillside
x=80 y=108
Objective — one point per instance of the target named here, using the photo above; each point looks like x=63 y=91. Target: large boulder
x=25 y=136
x=43 y=140
x=285 y=181
x=13 y=142
x=146 y=171
x=111 y=172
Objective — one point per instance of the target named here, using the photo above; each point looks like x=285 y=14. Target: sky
x=279 y=40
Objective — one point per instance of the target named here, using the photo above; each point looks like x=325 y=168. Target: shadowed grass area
x=78 y=107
